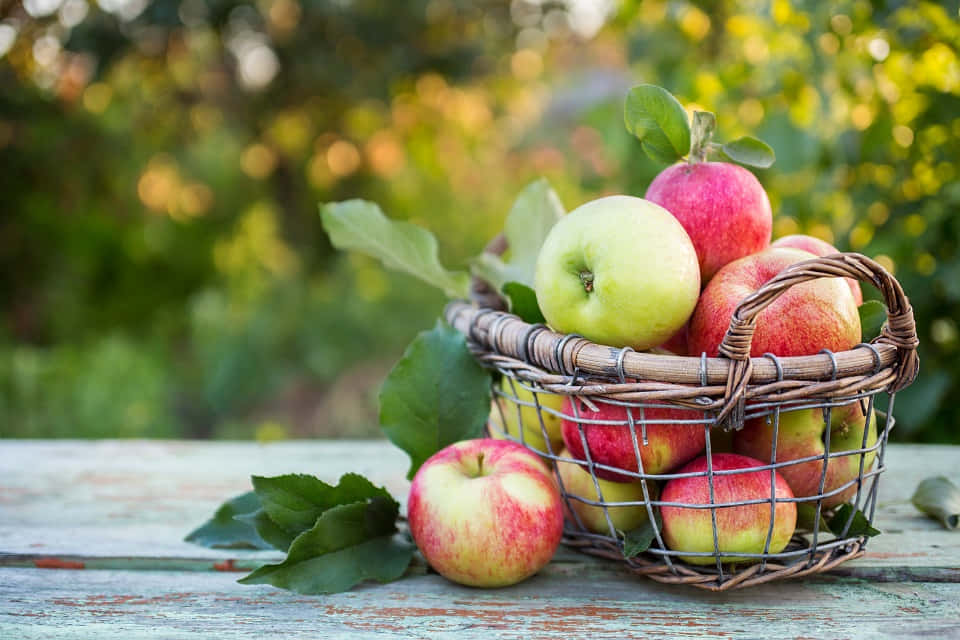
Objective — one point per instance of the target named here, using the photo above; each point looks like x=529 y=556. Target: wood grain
x=119 y=509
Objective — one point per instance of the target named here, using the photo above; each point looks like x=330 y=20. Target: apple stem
x=704 y=124
x=586 y=277
x=479 y=464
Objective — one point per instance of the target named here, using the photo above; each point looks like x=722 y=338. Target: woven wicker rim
x=723 y=384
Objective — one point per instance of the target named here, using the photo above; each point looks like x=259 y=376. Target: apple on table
x=740 y=529
x=485 y=512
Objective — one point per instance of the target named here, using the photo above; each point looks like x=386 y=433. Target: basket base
x=732 y=577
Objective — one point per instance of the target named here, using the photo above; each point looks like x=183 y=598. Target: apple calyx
x=586 y=277
x=701 y=133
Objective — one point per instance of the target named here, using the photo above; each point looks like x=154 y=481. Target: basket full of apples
x=706 y=400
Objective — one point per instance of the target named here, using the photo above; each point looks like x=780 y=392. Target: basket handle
x=900 y=329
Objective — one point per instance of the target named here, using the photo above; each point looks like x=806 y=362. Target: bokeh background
x=163 y=271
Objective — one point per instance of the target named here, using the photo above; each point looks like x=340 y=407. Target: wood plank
x=563 y=602
x=129 y=503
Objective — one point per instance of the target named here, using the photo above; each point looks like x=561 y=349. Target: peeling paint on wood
x=119 y=510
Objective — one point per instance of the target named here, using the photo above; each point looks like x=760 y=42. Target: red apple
x=808 y=317
x=819 y=248
x=677 y=344
x=741 y=529
x=485 y=513
x=668 y=444
x=721 y=206
x=800 y=435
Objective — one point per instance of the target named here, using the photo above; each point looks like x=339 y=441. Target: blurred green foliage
x=162 y=267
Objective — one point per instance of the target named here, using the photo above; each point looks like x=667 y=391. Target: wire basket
x=616 y=406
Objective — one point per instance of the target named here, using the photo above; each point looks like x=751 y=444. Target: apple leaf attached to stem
x=531 y=218
x=523 y=302
x=659 y=121
x=403 y=246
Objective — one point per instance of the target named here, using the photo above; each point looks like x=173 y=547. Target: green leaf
x=750 y=151
x=654 y=116
x=348 y=544
x=225 y=532
x=859 y=526
x=293 y=502
x=638 y=540
x=531 y=218
x=873 y=314
x=268 y=529
x=361 y=226
x=807 y=515
x=940 y=499
x=434 y=396
x=523 y=302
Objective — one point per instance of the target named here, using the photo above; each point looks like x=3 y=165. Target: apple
x=506 y=423
x=485 y=512
x=819 y=248
x=800 y=434
x=619 y=271
x=721 y=206
x=741 y=529
x=677 y=344
x=669 y=444
x=808 y=317
x=577 y=481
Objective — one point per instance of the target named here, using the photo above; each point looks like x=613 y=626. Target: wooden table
x=119 y=510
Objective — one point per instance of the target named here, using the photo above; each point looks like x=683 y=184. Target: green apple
x=619 y=271
x=518 y=421
x=577 y=481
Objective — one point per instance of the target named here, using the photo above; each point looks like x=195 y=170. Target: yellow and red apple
x=800 y=434
x=670 y=442
x=485 y=512
x=740 y=529
x=577 y=481
x=819 y=248
x=806 y=318
x=518 y=418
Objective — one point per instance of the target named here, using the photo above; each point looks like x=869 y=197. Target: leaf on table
x=294 y=501
x=523 y=302
x=659 y=121
x=361 y=225
x=434 y=396
x=750 y=151
x=859 y=525
x=940 y=499
x=223 y=531
x=531 y=218
x=348 y=544
x=267 y=529
x=638 y=540
x=873 y=314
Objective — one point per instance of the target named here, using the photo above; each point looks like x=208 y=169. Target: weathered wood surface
x=122 y=508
